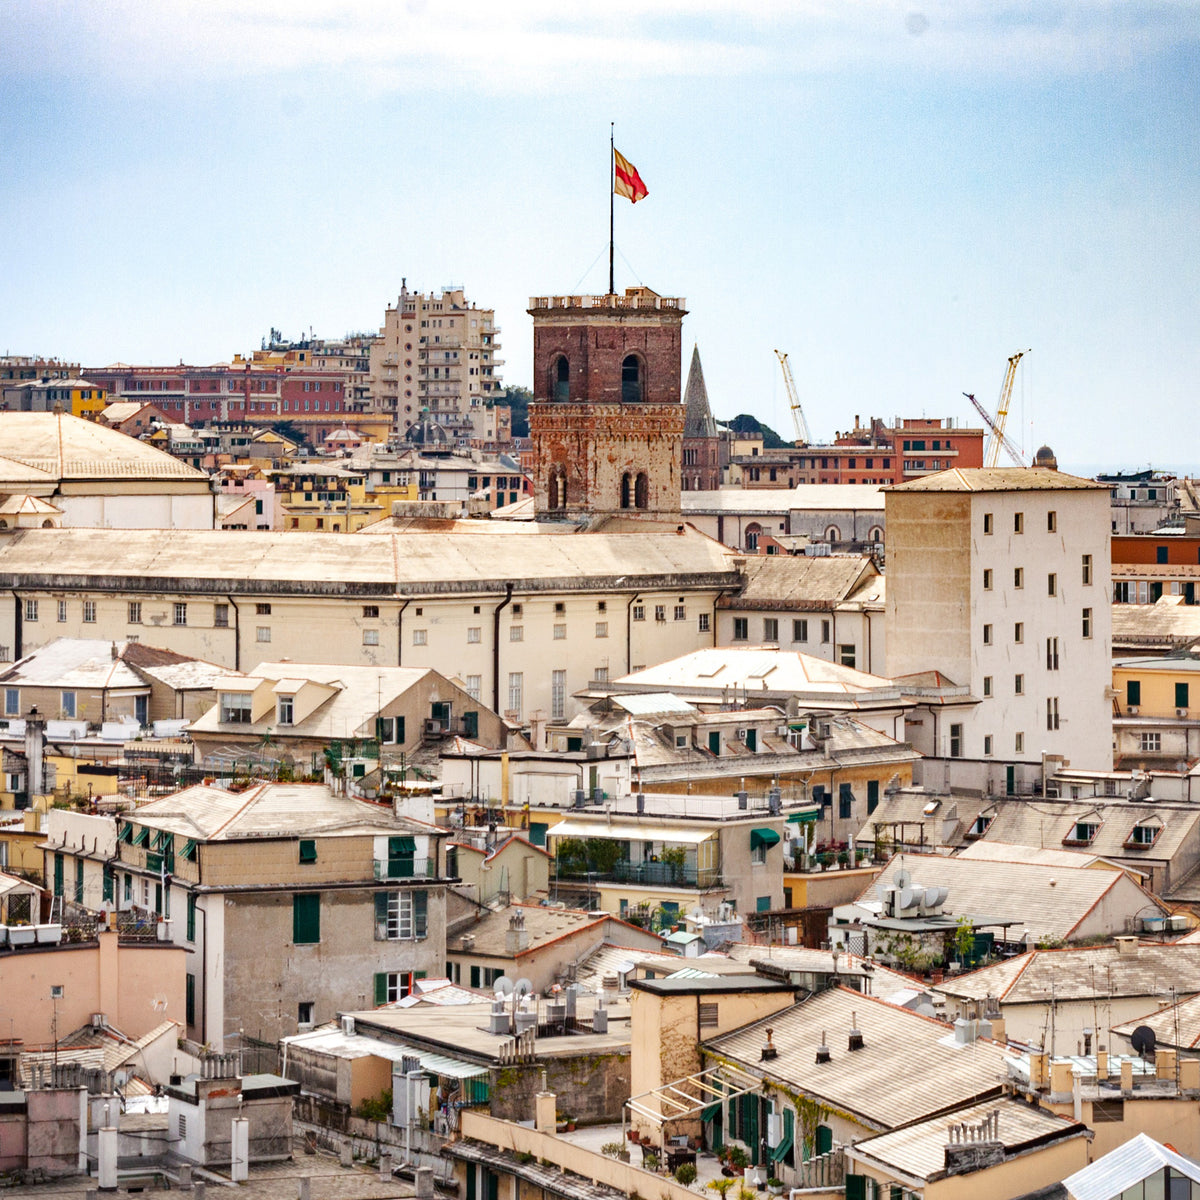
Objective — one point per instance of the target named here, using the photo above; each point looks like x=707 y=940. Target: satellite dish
x=1143 y=1040
x=902 y=878
x=522 y=988
x=503 y=986
x=907 y=898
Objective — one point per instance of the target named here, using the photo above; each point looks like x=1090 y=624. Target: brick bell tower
x=607 y=418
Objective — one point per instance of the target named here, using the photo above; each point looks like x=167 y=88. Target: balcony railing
x=648 y=874
x=405 y=868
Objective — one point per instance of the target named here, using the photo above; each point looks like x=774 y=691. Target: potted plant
x=738 y=1160
x=650 y=1161
x=775 y=1186
x=720 y=1186
x=843 y=858
x=685 y=1173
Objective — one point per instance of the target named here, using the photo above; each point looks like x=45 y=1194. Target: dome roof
x=1045 y=458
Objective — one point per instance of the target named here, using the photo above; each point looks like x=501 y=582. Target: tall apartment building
x=998 y=617
x=435 y=355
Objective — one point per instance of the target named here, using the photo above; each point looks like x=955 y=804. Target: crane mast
x=803 y=437
x=992 y=453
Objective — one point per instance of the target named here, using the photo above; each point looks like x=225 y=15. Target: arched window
x=833 y=534
x=561 y=379
x=753 y=531
x=626 y=489
x=631 y=380
x=876 y=534
x=641 y=491
x=558 y=488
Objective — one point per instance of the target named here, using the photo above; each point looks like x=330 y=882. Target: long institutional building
x=997 y=615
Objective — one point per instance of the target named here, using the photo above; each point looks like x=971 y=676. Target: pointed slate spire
x=697 y=418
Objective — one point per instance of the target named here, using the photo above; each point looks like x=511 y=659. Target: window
x=602 y=629
x=1019 y=743
x=474 y=686
x=308 y=850
x=702 y=623
x=180 y=612
x=285 y=709
x=600 y=674
x=1087 y=570
x=262 y=633
x=390 y=730
x=741 y=629
x=220 y=615
x=401 y=915
x=1019 y=632
x=770 y=629
x=473 y=635
x=191 y=916
x=639 y=612
x=1019 y=685
x=306 y=918
x=516 y=633
x=62 y=611
x=987 y=635
x=825 y=633
x=800 y=630
x=845 y=801
x=631 y=382
x=1018 y=522
x=987 y=523
x=1052 y=654
x=68 y=705
x=1051 y=521
x=1051 y=584
x=262 y=610
x=987 y=745
x=1018 y=577
x=421 y=637
x=31 y=610
x=1051 y=712
x=370 y=637
x=560 y=633
x=1133 y=691
x=602 y=606
x=516 y=689
x=1160 y=554
x=135 y=612
x=235 y=708
x=872 y=795
x=660 y=612
x=1151 y=743
x=1087 y=622
x=12 y=702
x=370 y=611
x=987 y=685
x=558 y=695
x=987 y=579
x=1181 y=695
x=956 y=741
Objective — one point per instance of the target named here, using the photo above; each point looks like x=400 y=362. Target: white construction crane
x=803 y=438
x=991 y=455
x=1006 y=442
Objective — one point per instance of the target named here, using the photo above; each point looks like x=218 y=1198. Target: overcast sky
x=900 y=196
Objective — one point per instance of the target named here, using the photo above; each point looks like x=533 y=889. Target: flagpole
x=612 y=185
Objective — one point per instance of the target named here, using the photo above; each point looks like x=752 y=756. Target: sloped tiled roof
x=804 y=584
x=998 y=479
x=697 y=418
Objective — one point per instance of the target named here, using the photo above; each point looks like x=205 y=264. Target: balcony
x=405 y=868
x=647 y=874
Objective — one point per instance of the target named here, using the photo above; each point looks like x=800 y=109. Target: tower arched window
x=641 y=491
x=626 y=490
x=557 y=488
x=833 y=534
x=753 y=532
x=631 y=379
x=876 y=534
x=561 y=379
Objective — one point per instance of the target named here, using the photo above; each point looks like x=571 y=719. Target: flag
x=626 y=181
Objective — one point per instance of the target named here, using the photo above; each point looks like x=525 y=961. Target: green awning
x=804 y=816
x=763 y=837
x=711 y=1112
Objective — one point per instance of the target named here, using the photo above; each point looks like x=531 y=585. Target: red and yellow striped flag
x=626 y=181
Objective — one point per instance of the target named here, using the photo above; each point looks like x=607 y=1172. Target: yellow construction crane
x=991 y=455
x=803 y=437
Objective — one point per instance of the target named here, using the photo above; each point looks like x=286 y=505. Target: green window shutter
x=824 y=1139
x=141 y=837
x=126 y=832
x=762 y=904
x=308 y=850
x=474 y=977
x=381 y=909
x=79 y=881
x=189 y=1002
x=421 y=913
x=108 y=882
x=1133 y=691
x=418 y=974
x=470 y=724
x=58 y=874
x=856 y=1187
x=158 y=899
x=472 y=1172
x=381 y=982
x=872 y=795
x=189 y=850
x=400 y=857
x=537 y=832
x=1181 y=695
x=306 y=918
x=191 y=917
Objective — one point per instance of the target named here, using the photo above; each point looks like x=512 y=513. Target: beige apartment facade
x=998 y=582
x=522 y=620
x=436 y=355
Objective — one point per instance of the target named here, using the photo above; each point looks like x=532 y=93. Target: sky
x=898 y=195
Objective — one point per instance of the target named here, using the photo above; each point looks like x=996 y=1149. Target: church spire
x=698 y=419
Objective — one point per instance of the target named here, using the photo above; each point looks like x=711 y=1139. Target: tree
x=518 y=400
x=745 y=423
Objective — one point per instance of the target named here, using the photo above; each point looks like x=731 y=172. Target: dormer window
x=1143 y=834
x=286 y=709
x=982 y=824
x=1083 y=833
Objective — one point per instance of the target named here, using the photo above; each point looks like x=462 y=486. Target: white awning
x=633 y=833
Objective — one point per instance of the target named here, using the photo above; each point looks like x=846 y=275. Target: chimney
x=517 y=937
x=1126 y=945
x=823 y=1055
x=856 y=1037
x=768 y=1050
x=1102 y=1063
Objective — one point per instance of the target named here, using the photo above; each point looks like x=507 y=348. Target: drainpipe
x=629 y=632
x=237 y=633
x=400 y=632
x=18 y=631
x=508 y=590
x=717 y=600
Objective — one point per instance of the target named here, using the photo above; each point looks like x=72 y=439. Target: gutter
x=508 y=591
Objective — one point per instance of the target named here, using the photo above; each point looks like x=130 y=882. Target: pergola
x=691 y=1096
